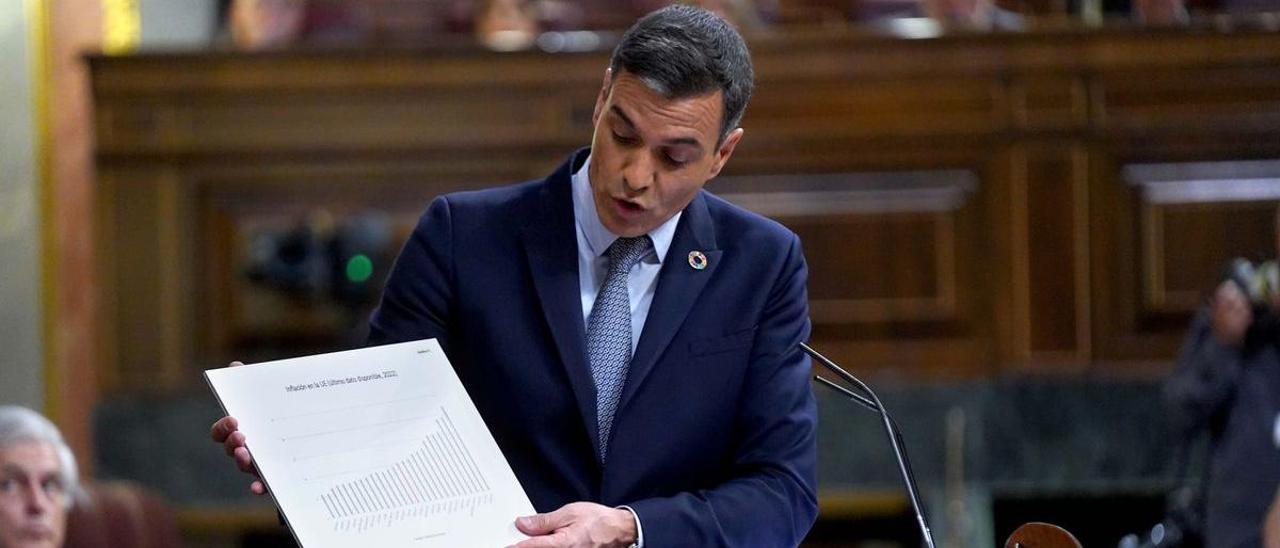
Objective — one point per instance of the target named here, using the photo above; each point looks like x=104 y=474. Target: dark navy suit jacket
x=714 y=439
x=1234 y=393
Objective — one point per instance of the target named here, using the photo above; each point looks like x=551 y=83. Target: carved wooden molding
x=1204 y=189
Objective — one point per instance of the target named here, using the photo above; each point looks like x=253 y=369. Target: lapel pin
x=697 y=260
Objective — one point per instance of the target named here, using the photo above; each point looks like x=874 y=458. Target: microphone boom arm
x=891 y=428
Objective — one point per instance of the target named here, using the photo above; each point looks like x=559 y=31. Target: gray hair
x=19 y=424
x=683 y=51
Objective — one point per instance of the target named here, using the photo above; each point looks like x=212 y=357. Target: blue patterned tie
x=609 y=332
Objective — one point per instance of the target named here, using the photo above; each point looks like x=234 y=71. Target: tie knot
x=624 y=252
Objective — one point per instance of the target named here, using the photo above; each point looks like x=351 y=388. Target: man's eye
x=53 y=487
x=674 y=162
x=623 y=139
x=8 y=485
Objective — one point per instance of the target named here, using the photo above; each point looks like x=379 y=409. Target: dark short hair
x=683 y=51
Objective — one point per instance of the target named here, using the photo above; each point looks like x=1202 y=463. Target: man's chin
x=34 y=538
x=626 y=229
x=630 y=233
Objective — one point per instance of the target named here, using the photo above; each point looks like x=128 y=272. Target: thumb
x=540 y=524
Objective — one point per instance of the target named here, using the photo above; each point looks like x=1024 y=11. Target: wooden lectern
x=1041 y=535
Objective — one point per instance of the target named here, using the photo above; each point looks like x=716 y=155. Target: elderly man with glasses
x=37 y=480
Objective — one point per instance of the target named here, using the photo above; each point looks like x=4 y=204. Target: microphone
x=870 y=401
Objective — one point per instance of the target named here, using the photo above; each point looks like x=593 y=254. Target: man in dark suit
x=629 y=338
x=1227 y=383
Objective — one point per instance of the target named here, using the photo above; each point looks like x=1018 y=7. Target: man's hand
x=1230 y=314
x=580 y=524
x=226 y=432
x=1271 y=525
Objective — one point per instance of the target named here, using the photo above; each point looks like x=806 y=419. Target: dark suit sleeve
x=1204 y=380
x=770 y=499
x=417 y=299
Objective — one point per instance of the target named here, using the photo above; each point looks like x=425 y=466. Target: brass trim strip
x=37 y=15
x=121 y=26
x=853 y=503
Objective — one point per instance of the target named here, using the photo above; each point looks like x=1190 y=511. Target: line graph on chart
x=422 y=468
x=436 y=476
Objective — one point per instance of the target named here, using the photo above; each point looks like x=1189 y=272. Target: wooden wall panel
x=1239 y=99
x=900 y=269
x=1186 y=249
x=902 y=265
x=853 y=108
x=893 y=272
x=1175 y=227
x=1196 y=217
x=149 y=305
x=964 y=201
x=1054 y=183
x=1053 y=101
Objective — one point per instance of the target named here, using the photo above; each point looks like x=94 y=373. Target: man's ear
x=725 y=151
x=602 y=97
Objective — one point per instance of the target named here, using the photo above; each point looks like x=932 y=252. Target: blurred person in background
x=899 y=16
x=507 y=25
x=744 y=14
x=972 y=15
x=265 y=24
x=37 y=480
x=256 y=25
x=1227 y=382
x=1227 y=13
x=1160 y=12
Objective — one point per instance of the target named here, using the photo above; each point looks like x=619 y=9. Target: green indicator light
x=359 y=268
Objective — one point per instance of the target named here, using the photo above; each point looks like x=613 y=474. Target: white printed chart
x=380 y=446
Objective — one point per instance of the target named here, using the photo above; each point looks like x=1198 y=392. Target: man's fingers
x=234 y=441
x=549 y=541
x=222 y=428
x=244 y=461
x=227 y=432
x=532 y=525
x=543 y=524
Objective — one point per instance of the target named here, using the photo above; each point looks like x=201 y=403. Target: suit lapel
x=552 y=251
x=679 y=285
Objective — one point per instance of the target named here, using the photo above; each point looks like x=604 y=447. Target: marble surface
x=1019 y=436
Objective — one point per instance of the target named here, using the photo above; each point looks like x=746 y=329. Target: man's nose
x=37 y=502
x=638 y=173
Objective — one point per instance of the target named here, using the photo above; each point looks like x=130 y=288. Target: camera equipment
x=1261 y=285
x=1259 y=282
x=1180 y=527
x=1183 y=523
x=318 y=259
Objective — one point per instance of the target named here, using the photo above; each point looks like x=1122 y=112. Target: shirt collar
x=598 y=237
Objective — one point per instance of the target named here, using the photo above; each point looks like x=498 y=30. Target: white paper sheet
x=374 y=447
